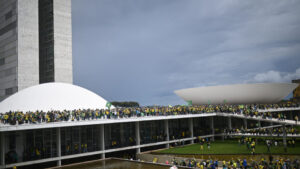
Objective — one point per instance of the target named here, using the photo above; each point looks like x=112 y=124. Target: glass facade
x=220 y=123
x=39 y=144
x=152 y=131
x=82 y=139
x=46 y=41
x=119 y=135
x=201 y=126
x=178 y=129
x=30 y=145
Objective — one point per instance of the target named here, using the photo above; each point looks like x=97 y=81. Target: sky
x=143 y=50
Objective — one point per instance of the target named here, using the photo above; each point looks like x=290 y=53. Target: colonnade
x=166 y=131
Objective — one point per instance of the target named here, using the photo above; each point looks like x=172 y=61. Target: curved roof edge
x=52 y=96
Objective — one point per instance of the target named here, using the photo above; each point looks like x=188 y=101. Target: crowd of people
x=17 y=117
x=263 y=131
x=271 y=163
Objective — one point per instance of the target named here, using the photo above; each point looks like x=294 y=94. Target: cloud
x=275 y=76
x=144 y=50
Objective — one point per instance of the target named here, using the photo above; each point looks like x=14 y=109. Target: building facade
x=35 y=43
x=56 y=143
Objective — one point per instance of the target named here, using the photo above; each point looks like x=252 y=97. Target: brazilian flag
x=189 y=102
x=108 y=105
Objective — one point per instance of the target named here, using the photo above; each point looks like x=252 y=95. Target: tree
x=125 y=104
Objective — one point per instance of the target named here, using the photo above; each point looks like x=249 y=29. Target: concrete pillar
x=245 y=124
x=137 y=136
x=212 y=127
x=58 y=145
x=102 y=140
x=2 y=149
x=229 y=123
x=191 y=129
x=166 y=124
x=284 y=138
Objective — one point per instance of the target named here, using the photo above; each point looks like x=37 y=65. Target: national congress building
x=36 y=48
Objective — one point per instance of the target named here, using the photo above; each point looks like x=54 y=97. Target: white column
x=58 y=145
x=2 y=149
x=137 y=136
x=191 y=128
x=102 y=140
x=212 y=127
x=166 y=123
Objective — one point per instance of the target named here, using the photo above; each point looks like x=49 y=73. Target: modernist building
x=238 y=93
x=59 y=142
x=35 y=43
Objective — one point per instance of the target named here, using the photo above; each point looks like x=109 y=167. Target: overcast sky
x=143 y=50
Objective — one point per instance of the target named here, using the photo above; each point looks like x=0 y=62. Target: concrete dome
x=52 y=96
x=238 y=93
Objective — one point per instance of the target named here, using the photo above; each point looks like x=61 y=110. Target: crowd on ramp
x=251 y=110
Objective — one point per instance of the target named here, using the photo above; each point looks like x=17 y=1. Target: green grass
x=229 y=147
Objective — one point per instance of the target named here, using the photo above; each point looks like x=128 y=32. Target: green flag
x=208 y=101
x=225 y=101
x=170 y=106
x=108 y=105
x=189 y=102
x=241 y=106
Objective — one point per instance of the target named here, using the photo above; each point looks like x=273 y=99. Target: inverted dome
x=238 y=94
x=52 y=96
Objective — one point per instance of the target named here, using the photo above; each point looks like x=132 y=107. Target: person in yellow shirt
x=224 y=163
x=234 y=165
x=37 y=152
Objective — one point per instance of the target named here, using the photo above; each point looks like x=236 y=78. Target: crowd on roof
x=19 y=117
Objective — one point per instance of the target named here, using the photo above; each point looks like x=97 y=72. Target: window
x=2 y=61
x=8 y=15
x=8 y=91
x=8 y=28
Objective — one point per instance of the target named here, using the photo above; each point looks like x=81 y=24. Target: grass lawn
x=229 y=147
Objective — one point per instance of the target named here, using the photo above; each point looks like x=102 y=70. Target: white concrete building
x=238 y=93
x=35 y=44
x=54 y=143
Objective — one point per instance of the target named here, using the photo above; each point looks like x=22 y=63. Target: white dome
x=52 y=96
x=238 y=93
